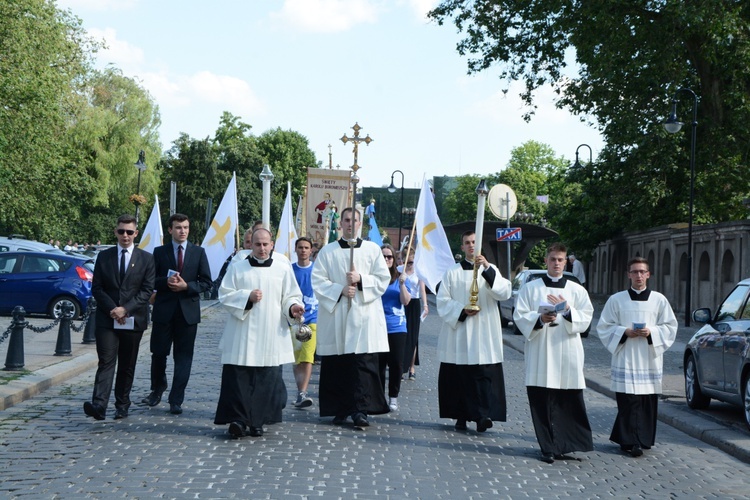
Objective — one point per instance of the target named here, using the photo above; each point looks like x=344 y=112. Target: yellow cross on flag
x=153 y=234
x=219 y=242
x=433 y=256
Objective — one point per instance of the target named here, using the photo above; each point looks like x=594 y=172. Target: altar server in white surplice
x=637 y=326
x=262 y=297
x=553 y=355
x=351 y=325
x=471 y=383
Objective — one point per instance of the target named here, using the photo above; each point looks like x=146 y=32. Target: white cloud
x=422 y=7
x=226 y=90
x=326 y=16
x=122 y=54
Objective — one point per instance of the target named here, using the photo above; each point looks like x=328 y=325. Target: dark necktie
x=122 y=265
x=179 y=258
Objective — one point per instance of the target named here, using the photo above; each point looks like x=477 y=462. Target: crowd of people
x=361 y=306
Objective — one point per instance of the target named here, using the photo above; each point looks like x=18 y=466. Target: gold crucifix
x=356 y=139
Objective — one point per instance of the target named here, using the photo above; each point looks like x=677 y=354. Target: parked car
x=17 y=243
x=509 y=305
x=717 y=358
x=42 y=282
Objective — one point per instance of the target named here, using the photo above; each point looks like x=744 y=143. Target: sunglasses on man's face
x=129 y=232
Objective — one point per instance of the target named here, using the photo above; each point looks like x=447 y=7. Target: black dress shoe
x=175 y=409
x=360 y=420
x=483 y=424
x=152 y=399
x=94 y=411
x=636 y=451
x=256 y=431
x=548 y=458
x=338 y=420
x=121 y=413
x=237 y=429
x=460 y=425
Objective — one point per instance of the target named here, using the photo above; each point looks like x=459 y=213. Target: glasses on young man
x=129 y=232
x=638 y=271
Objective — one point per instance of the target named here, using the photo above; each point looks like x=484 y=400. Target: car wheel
x=693 y=393
x=56 y=307
x=746 y=399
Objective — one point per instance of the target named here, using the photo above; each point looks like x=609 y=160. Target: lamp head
x=141 y=163
x=392 y=187
x=266 y=174
x=673 y=125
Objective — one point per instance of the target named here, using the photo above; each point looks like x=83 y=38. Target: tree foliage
x=203 y=168
x=44 y=57
x=633 y=58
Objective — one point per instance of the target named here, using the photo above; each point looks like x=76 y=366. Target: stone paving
x=51 y=450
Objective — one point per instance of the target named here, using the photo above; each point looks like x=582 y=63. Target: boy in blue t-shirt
x=304 y=352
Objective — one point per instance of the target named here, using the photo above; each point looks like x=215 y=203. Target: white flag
x=433 y=256
x=286 y=236
x=153 y=234
x=219 y=241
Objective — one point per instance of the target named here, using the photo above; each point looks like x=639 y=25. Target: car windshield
x=732 y=307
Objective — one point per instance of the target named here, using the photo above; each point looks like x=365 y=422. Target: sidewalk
x=43 y=370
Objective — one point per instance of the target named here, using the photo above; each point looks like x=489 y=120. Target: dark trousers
x=164 y=336
x=394 y=360
x=115 y=348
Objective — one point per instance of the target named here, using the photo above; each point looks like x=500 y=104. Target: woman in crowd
x=394 y=299
x=415 y=310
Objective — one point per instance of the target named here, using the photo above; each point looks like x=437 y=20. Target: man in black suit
x=182 y=275
x=123 y=282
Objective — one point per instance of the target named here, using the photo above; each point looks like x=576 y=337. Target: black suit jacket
x=195 y=272
x=132 y=294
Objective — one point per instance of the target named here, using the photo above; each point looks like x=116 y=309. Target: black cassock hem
x=351 y=383
x=254 y=395
x=472 y=392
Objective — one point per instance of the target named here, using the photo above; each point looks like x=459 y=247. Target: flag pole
x=236 y=215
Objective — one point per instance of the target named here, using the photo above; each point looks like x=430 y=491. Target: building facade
x=720 y=259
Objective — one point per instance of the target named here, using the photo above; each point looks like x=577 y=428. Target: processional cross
x=356 y=139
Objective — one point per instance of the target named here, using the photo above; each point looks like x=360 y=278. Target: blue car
x=42 y=282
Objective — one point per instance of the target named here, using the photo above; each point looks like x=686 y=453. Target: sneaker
x=393 y=404
x=412 y=376
x=303 y=400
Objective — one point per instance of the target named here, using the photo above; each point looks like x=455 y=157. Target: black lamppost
x=672 y=125
x=141 y=166
x=392 y=189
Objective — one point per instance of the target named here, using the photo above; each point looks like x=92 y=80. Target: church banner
x=326 y=188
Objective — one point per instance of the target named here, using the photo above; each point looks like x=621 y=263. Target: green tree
x=45 y=56
x=116 y=119
x=193 y=165
x=633 y=57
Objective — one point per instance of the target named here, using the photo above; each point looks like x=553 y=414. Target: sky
x=317 y=67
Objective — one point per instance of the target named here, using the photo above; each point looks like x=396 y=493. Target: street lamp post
x=392 y=189
x=266 y=176
x=141 y=166
x=673 y=125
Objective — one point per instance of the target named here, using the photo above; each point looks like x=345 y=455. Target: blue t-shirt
x=395 y=319
x=304 y=280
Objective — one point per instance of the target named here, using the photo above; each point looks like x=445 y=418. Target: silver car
x=717 y=358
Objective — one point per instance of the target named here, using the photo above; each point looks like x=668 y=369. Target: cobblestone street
x=50 y=449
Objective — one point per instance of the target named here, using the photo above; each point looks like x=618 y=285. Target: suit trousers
x=180 y=336
x=115 y=348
